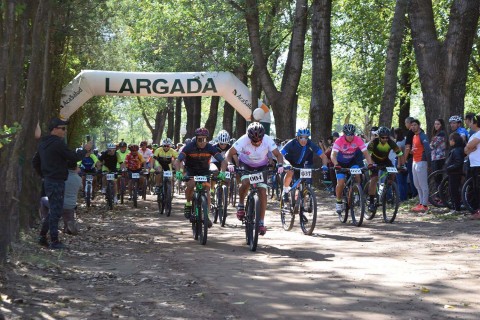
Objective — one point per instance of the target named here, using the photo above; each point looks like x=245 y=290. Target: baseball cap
x=55 y=122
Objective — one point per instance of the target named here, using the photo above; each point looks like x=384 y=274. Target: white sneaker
x=115 y=200
x=339 y=207
x=104 y=190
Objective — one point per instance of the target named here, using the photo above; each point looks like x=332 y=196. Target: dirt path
x=135 y=264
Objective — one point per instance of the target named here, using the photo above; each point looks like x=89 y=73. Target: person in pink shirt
x=343 y=156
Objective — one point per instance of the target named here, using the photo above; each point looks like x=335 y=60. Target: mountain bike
x=303 y=202
x=164 y=197
x=122 y=184
x=275 y=186
x=88 y=188
x=434 y=181
x=200 y=208
x=386 y=195
x=469 y=199
x=233 y=190
x=252 y=207
x=134 y=178
x=110 y=190
x=352 y=196
x=219 y=201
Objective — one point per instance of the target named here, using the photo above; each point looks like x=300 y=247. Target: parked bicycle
x=200 y=208
x=386 y=195
x=164 y=197
x=303 y=202
x=353 y=199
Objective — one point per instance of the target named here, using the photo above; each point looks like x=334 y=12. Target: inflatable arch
x=89 y=83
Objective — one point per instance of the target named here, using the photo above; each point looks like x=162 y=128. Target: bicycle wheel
x=135 y=192
x=224 y=204
x=286 y=213
x=433 y=191
x=161 y=200
x=308 y=211
x=144 y=190
x=196 y=223
x=390 y=201
x=370 y=215
x=254 y=221
x=214 y=208
x=468 y=198
x=204 y=220
x=343 y=216
x=109 y=192
x=233 y=191
x=88 y=194
x=279 y=183
x=167 y=198
x=122 y=189
x=356 y=205
x=444 y=193
x=247 y=220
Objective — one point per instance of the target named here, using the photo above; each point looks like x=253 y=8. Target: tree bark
x=170 y=116
x=178 y=120
x=405 y=85
x=443 y=66
x=193 y=107
x=392 y=62
x=211 y=122
x=321 y=106
x=282 y=102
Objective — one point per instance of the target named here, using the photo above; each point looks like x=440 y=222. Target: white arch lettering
x=89 y=83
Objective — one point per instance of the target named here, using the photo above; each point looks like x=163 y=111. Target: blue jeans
x=402 y=185
x=413 y=190
x=54 y=190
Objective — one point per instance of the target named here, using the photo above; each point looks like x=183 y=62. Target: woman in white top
x=472 y=149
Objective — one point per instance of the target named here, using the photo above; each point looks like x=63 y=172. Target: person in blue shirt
x=456 y=126
x=296 y=152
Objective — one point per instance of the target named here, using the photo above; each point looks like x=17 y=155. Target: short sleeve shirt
x=198 y=160
x=134 y=163
x=474 y=156
x=251 y=155
x=346 y=150
x=296 y=154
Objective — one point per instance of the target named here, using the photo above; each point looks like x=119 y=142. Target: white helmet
x=167 y=142
x=223 y=137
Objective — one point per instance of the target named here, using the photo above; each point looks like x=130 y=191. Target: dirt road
x=135 y=264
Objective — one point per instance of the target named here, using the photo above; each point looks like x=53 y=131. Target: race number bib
x=89 y=177
x=135 y=175
x=167 y=174
x=355 y=171
x=391 y=169
x=110 y=176
x=305 y=173
x=256 y=177
x=227 y=175
x=200 y=179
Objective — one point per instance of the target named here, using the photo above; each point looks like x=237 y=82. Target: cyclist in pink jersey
x=343 y=156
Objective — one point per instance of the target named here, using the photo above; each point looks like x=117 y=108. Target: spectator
x=473 y=151
x=409 y=160
x=421 y=155
x=401 y=176
x=72 y=185
x=456 y=126
x=438 y=145
x=455 y=170
x=469 y=117
x=50 y=162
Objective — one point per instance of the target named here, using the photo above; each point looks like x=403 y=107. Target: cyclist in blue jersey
x=296 y=152
x=456 y=126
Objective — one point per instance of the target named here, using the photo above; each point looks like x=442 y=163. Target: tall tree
x=211 y=122
x=443 y=65
x=321 y=106
x=392 y=62
x=283 y=100
x=170 y=116
x=178 y=120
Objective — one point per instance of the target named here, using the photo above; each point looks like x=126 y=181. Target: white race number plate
x=355 y=171
x=200 y=179
x=89 y=177
x=256 y=177
x=167 y=174
x=391 y=169
x=135 y=175
x=110 y=176
x=305 y=173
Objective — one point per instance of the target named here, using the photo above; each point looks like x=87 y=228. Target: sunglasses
x=384 y=138
x=63 y=128
x=303 y=138
x=200 y=140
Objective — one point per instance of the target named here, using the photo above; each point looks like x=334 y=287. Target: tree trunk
x=211 y=122
x=321 y=106
x=282 y=102
x=193 y=107
x=170 y=117
x=178 y=120
x=391 y=65
x=228 y=112
x=405 y=85
x=443 y=66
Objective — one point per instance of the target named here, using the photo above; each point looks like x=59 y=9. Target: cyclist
x=88 y=165
x=197 y=156
x=379 y=149
x=122 y=153
x=343 y=156
x=296 y=152
x=252 y=149
x=147 y=154
x=222 y=146
x=134 y=163
x=164 y=156
x=456 y=126
x=109 y=162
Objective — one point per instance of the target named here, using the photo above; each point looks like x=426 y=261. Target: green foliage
x=8 y=133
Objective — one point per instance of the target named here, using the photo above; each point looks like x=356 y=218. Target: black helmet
x=255 y=131
x=383 y=132
x=349 y=129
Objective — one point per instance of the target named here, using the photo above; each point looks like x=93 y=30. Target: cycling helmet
x=223 y=137
x=133 y=147
x=303 y=132
x=111 y=146
x=383 y=132
x=122 y=144
x=167 y=142
x=188 y=140
x=255 y=131
x=154 y=146
x=349 y=129
x=202 y=132
x=232 y=141
x=455 y=119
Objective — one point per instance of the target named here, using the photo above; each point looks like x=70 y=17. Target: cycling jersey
x=379 y=152
x=298 y=155
x=346 y=150
x=134 y=163
x=197 y=161
x=121 y=157
x=251 y=155
x=222 y=151
x=164 y=159
x=87 y=164
x=147 y=154
x=462 y=131
x=109 y=161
